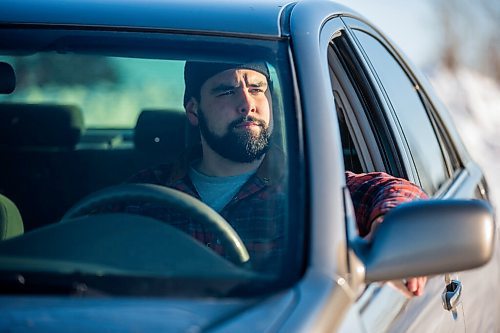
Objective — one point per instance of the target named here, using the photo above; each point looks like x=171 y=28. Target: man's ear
x=192 y=111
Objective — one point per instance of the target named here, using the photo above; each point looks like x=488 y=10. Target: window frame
x=450 y=155
x=360 y=120
x=365 y=114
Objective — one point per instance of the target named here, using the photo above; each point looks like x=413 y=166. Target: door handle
x=451 y=296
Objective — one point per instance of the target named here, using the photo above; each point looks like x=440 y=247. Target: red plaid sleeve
x=374 y=194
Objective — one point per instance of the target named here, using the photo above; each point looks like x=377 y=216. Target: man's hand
x=416 y=285
x=413 y=286
x=410 y=287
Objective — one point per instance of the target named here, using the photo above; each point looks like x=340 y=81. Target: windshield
x=164 y=161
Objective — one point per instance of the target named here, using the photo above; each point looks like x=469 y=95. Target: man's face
x=235 y=114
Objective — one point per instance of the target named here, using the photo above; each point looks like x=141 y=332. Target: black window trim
x=353 y=64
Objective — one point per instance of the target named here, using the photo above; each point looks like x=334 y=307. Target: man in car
x=236 y=169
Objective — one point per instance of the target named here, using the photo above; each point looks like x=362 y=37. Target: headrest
x=160 y=131
x=40 y=125
x=7 y=78
x=11 y=223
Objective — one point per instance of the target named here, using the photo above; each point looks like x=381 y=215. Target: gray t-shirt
x=216 y=192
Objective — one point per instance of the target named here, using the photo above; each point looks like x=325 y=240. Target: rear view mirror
x=7 y=78
x=431 y=237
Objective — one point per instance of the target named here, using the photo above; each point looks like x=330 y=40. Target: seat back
x=40 y=125
x=11 y=223
x=37 y=157
x=161 y=131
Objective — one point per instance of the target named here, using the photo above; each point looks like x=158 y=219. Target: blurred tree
x=64 y=70
x=492 y=54
x=470 y=34
x=451 y=45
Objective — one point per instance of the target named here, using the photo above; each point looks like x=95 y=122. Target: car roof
x=265 y=18
x=258 y=17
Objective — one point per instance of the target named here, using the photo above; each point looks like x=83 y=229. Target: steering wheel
x=170 y=198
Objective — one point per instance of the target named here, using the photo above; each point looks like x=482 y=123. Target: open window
x=366 y=145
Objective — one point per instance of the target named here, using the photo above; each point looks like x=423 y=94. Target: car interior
x=50 y=166
x=51 y=161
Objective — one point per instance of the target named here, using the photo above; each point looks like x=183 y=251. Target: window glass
x=411 y=113
x=94 y=109
x=111 y=91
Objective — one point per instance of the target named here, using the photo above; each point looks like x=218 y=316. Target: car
x=93 y=93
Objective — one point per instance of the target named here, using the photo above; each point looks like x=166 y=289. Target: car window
x=416 y=126
x=364 y=127
x=95 y=109
x=110 y=90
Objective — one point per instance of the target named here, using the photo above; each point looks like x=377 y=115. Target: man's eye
x=257 y=91
x=226 y=93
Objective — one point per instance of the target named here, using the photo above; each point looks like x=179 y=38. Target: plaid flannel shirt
x=374 y=194
x=257 y=211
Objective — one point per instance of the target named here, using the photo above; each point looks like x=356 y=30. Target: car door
x=436 y=164
x=386 y=126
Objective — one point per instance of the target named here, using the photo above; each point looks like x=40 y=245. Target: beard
x=237 y=145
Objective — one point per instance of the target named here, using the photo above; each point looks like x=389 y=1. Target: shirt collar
x=270 y=171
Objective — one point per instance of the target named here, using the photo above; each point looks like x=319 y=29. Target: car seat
x=160 y=131
x=11 y=223
x=37 y=155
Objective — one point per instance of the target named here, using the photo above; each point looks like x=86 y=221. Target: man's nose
x=246 y=103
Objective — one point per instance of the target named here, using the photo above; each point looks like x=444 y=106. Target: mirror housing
x=429 y=237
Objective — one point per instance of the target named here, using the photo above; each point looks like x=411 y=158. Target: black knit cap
x=197 y=72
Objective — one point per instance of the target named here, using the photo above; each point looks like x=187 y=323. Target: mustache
x=244 y=119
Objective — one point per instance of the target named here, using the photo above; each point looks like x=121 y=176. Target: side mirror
x=7 y=78
x=430 y=237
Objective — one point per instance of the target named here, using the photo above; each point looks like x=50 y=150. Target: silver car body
x=333 y=293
